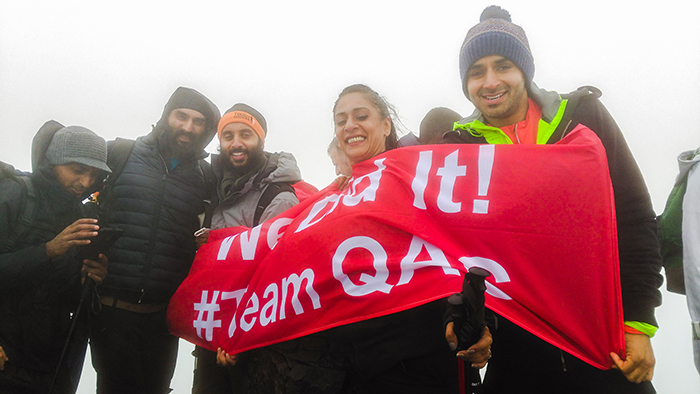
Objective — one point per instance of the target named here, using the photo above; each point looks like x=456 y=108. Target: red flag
x=304 y=190
x=540 y=218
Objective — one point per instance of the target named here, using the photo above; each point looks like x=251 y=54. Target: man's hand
x=478 y=354
x=201 y=236
x=342 y=182
x=224 y=359
x=3 y=359
x=639 y=362
x=95 y=270
x=73 y=235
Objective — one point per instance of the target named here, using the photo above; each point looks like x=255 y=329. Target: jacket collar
x=550 y=102
x=552 y=110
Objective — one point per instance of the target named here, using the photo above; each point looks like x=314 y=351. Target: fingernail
x=453 y=346
x=471 y=351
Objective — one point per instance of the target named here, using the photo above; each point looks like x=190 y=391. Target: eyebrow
x=196 y=117
x=356 y=109
x=500 y=60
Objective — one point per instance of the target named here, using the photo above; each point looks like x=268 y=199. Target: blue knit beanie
x=496 y=35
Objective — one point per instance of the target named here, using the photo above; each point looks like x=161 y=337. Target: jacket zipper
x=154 y=235
x=565 y=129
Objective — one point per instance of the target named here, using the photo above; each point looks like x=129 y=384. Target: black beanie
x=191 y=99
x=252 y=111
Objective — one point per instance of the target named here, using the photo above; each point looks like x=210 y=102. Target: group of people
x=164 y=196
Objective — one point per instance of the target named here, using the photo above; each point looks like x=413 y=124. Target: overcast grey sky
x=111 y=66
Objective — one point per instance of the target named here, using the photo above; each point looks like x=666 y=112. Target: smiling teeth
x=355 y=139
x=496 y=97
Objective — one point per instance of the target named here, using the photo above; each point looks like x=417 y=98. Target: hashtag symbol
x=207 y=308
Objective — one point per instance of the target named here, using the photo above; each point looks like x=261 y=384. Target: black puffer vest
x=158 y=209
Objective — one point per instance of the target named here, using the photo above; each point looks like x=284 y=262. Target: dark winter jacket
x=37 y=294
x=158 y=209
x=640 y=262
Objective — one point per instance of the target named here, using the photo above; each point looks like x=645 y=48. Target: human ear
x=387 y=126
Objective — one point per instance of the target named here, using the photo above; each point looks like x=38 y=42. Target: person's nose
x=491 y=81
x=350 y=125
x=237 y=142
x=86 y=181
x=188 y=126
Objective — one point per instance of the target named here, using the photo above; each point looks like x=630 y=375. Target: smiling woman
x=364 y=123
x=406 y=351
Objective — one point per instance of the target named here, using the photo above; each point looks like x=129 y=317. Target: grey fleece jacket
x=238 y=208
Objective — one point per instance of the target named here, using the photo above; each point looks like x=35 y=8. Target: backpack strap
x=25 y=220
x=268 y=195
x=118 y=153
x=572 y=100
x=117 y=156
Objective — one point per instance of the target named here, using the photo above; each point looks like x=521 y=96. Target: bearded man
x=157 y=198
x=253 y=186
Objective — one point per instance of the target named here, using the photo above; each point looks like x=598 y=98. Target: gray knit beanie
x=496 y=35
x=75 y=144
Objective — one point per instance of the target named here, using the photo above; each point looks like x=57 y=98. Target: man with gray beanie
x=42 y=226
x=497 y=68
x=156 y=196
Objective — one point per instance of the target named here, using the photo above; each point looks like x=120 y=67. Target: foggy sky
x=112 y=66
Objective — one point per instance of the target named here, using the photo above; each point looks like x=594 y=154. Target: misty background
x=111 y=66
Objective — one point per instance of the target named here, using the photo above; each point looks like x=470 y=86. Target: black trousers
x=132 y=352
x=523 y=363
x=405 y=352
x=306 y=365
x=15 y=380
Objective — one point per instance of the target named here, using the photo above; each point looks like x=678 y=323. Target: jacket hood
x=40 y=162
x=286 y=169
x=686 y=161
x=41 y=143
x=191 y=99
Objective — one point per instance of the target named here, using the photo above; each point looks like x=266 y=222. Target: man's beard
x=178 y=150
x=255 y=157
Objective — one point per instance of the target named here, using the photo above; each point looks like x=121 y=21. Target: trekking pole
x=468 y=315
x=85 y=292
